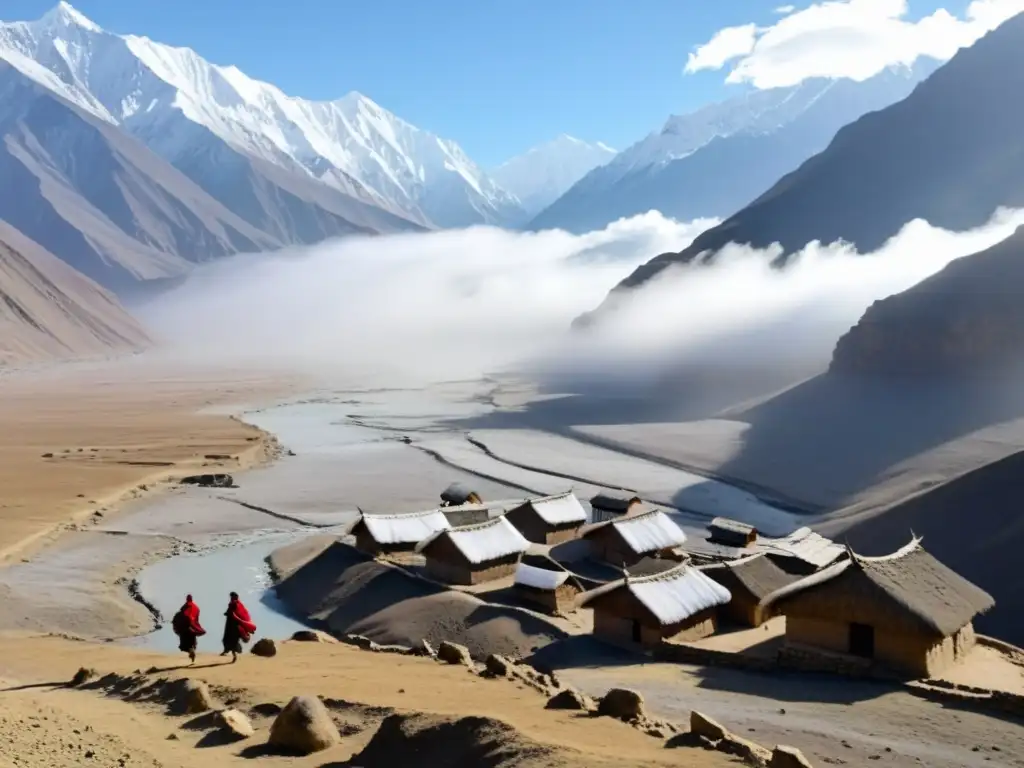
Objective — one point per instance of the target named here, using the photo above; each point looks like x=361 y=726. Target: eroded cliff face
x=967 y=318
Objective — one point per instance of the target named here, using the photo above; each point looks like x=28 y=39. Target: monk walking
x=187 y=627
x=238 y=627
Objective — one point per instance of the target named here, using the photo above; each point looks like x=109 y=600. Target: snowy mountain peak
x=66 y=15
x=172 y=97
x=544 y=173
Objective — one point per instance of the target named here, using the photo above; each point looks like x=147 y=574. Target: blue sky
x=498 y=76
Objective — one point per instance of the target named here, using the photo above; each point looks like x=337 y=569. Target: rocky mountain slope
x=967 y=318
x=712 y=162
x=951 y=153
x=50 y=311
x=98 y=198
x=384 y=172
x=544 y=173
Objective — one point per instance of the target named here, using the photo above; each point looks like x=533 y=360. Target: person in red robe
x=238 y=627
x=187 y=627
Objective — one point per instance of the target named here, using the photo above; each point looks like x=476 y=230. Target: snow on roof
x=649 y=532
x=489 y=540
x=671 y=596
x=540 y=578
x=407 y=528
x=678 y=594
x=560 y=509
x=806 y=545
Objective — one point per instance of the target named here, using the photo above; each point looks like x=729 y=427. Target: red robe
x=238 y=612
x=187 y=620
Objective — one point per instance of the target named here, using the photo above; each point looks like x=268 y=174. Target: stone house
x=609 y=505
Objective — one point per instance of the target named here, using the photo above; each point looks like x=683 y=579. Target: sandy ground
x=48 y=724
x=77 y=440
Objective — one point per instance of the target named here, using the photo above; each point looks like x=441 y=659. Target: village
x=628 y=575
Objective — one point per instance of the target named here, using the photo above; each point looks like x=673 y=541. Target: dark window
x=862 y=640
x=637 y=635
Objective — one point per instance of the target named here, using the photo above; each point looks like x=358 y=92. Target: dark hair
x=234 y=595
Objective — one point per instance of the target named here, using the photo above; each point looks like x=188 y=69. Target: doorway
x=862 y=640
x=637 y=634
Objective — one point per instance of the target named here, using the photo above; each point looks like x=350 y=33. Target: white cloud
x=784 y=10
x=727 y=44
x=458 y=304
x=847 y=38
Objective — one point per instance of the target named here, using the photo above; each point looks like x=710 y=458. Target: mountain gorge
x=951 y=153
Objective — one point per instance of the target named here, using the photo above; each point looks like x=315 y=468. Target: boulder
x=453 y=653
x=235 y=724
x=264 y=647
x=788 y=757
x=304 y=726
x=83 y=675
x=313 y=636
x=747 y=751
x=192 y=697
x=622 y=703
x=704 y=726
x=498 y=666
x=359 y=641
x=570 y=699
x=209 y=481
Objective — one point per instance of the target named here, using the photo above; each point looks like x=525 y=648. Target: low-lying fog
x=456 y=304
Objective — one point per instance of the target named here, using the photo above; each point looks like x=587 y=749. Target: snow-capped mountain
x=175 y=101
x=541 y=175
x=711 y=162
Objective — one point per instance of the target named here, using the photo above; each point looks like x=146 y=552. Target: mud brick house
x=380 y=534
x=627 y=540
x=905 y=611
x=679 y=604
x=473 y=554
x=549 y=520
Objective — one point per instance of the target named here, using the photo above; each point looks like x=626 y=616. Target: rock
x=235 y=723
x=453 y=653
x=570 y=699
x=313 y=636
x=623 y=704
x=704 y=726
x=264 y=647
x=428 y=649
x=83 y=675
x=788 y=757
x=304 y=726
x=748 y=751
x=497 y=665
x=209 y=481
x=192 y=697
x=359 y=641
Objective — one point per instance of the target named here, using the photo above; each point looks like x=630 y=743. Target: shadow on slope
x=973 y=524
x=832 y=437
x=349 y=593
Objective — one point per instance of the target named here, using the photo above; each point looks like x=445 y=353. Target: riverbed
x=343 y=452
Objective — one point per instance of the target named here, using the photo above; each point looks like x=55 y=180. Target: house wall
x=442 y=566
x=703 y=624
x=533 y=527
x=610 y=625
x=743 y=609
x=368 y=544
x=920 y=655
x=560 y=600
x=607 y=545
